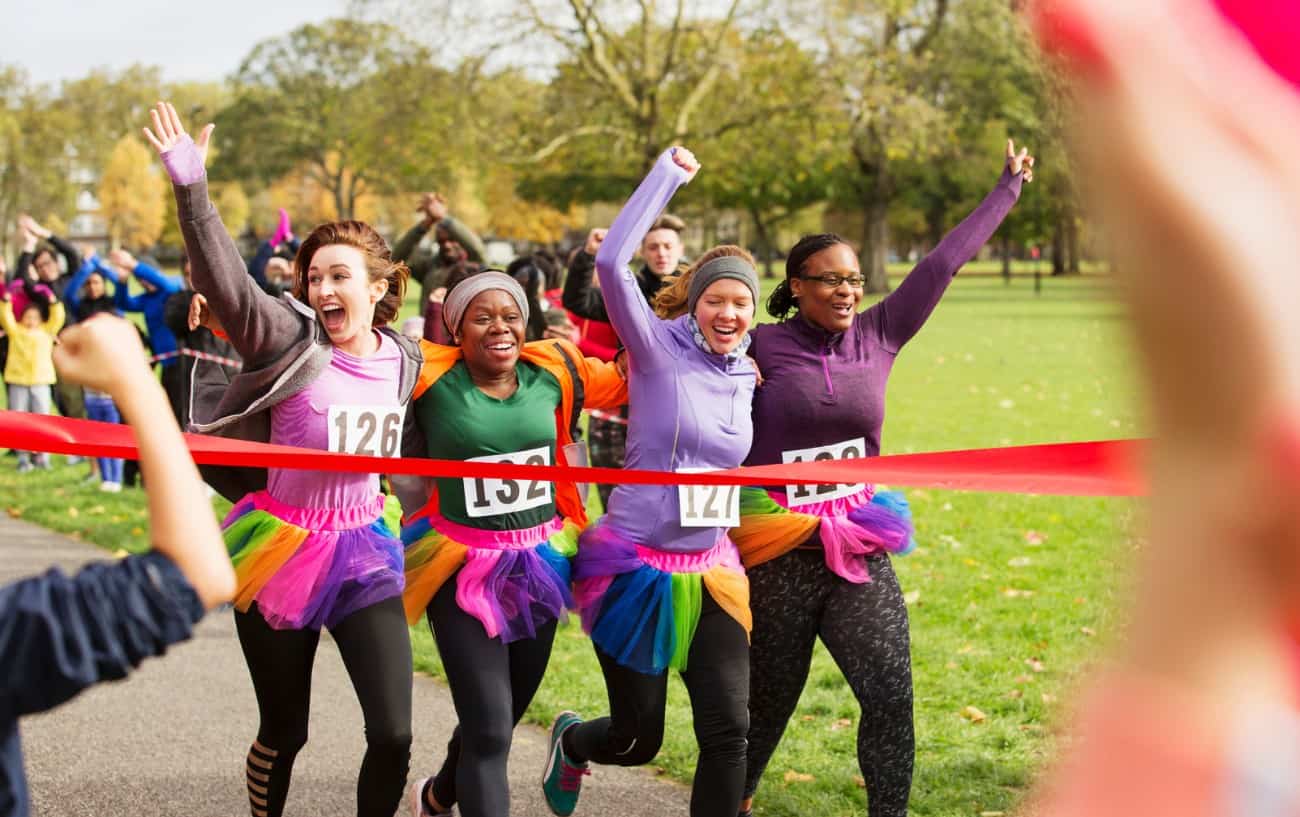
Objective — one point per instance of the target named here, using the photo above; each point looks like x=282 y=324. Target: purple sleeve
x=183 y=162
x=904 y=311
x=637 y=326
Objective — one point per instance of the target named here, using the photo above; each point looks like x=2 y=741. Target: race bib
x=372 y=431
x=493 y=497
x=797 y=495
x=708 y=506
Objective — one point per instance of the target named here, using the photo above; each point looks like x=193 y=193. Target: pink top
x=303 y=421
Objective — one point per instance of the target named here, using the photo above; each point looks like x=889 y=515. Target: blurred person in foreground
x=1186 y=133
x=60 y=634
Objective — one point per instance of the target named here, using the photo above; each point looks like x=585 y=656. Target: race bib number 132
x=493 y=497
x=797 y=495
x=371 y=431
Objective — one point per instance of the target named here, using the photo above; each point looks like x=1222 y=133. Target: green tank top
x=460 y=422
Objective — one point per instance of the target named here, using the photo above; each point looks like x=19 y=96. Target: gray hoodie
x=283 y=346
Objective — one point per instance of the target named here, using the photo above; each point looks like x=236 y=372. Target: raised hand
x=123 y=260
x=686 y=160
x=200 y=315
x=29 y=224
x=103 y=353
x=1020 y=162
x=183 y=157
x=434 y=207
x=594 y=239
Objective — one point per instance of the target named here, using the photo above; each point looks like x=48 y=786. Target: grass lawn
x=1009 y=596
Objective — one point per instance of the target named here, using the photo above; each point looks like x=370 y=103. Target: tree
x=355 y=106
x=131 y=195
x=780 y=164
x=36 y=172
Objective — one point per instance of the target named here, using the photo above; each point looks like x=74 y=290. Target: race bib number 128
x=493 y=497
x=371 y=431
x=797 y=495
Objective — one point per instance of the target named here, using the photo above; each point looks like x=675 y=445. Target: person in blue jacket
x=60 y=634
x=157 y=289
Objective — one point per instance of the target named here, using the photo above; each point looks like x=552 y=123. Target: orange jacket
x=585 y=382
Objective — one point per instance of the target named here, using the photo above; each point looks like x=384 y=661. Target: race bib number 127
x=708 y=506
x=371 y=431
x=797 y=495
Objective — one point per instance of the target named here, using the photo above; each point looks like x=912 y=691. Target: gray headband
x=726 y=266
x=458 y=300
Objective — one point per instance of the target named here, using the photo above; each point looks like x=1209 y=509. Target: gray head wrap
x=458 y=300
x=727 y=266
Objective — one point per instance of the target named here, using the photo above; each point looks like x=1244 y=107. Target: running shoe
x=562 y=780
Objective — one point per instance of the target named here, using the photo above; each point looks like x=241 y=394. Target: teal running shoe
x=562 y=780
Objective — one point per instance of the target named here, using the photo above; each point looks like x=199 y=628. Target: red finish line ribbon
x=1101 y=468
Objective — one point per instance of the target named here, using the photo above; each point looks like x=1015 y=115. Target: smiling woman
x=310 y=550
x=488 y=560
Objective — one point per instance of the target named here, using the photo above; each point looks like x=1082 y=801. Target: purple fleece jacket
x=822 y=387
x=687 y=408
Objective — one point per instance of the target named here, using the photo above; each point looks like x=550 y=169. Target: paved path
x=171 y=739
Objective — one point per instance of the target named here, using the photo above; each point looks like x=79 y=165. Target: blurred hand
x=200 y=315
x=103 y=353
x=438 y=295
x=29 y=224
x=434 y=207
x=686 y=160
x=594 y=240
x=1021 y=161
x=123 y=260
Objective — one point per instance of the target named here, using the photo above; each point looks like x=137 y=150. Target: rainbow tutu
x=513 y=581
x=308 y=567
x=851 y=528
x=642 y=605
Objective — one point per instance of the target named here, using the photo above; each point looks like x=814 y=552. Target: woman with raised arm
x=488 y=560
x=658 y=580
x=818 y=556
x=311 y=550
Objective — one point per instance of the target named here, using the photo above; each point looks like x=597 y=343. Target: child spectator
x=29 y=371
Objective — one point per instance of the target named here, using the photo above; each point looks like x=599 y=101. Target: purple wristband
x=183 y=162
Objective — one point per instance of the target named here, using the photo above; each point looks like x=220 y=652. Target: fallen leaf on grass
x=809 y=718
x=1024 y=679
x=73 y=512
x=911 y=597
x=14 y=513
x=120 y=553
x=950 y=665
x=992 y=813
x=1020 y=561
x=1049 y=698
x=1034 y=664
x=1033 y=537
x=842 y=723
x=1087 y=631
x=966 y=649
x=859 y=782
x=98 y=509
x=137 y=531
x=798 y=777
x=1030 y=727
x=1015 y=694
x=973 y=714
x=1014 y=593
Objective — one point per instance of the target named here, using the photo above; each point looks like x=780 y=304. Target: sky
x=64 y=39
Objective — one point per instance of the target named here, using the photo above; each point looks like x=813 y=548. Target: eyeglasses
x=833 y=281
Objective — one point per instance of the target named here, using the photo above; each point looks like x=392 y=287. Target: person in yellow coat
x=29 y=371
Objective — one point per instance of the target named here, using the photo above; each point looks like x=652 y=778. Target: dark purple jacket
x=821 y=387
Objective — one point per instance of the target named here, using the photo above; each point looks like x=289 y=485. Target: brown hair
x=379 y=263
x=667 y=222
x=671 y=300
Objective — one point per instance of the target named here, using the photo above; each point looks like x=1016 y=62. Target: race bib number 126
x=371 y=431
x=797 y=495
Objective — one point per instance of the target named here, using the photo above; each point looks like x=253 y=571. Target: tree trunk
x=1058 y=248
x=1006 y=260
x=1072 y=244
x=875 y=246
x=764 y=243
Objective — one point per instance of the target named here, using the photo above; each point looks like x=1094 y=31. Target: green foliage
x=357 y=106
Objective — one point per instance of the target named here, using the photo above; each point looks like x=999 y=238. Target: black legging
x=491 y=686
x=376 y=650
x=717 y=679
x=796 y=599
